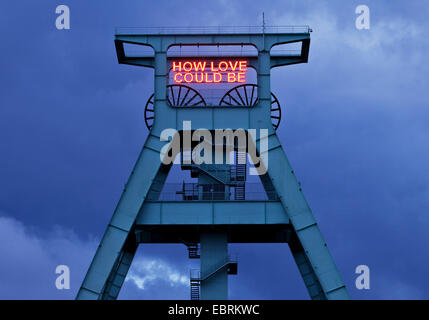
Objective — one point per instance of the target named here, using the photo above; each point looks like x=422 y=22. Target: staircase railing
x=195 y=274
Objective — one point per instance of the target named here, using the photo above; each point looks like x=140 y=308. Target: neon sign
x=206 y=71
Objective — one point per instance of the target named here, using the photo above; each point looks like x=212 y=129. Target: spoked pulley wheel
x=247 y=95
x=177 y=96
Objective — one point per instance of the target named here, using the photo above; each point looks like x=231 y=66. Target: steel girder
x=116 y=250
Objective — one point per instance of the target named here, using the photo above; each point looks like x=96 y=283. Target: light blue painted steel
x=214 y=117
x=302 y=219
x=214 y=254
x=122 y=221
x=211 y=212
x=120 y=269
x=132 y=208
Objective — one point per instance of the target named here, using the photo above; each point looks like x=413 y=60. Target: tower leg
x=314 y=254
x=213 y=258
x=120 y=270
x=116 y=248
x=305 y=269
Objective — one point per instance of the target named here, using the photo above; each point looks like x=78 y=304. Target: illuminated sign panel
x=209 y=71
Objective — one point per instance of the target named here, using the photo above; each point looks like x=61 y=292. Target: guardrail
x=213 y=30
x=195 y=274
x=175 y=192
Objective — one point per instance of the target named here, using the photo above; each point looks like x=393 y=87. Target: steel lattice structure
x=216 y=210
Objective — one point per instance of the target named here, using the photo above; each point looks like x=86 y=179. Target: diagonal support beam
x=305 y=269
x=316 y=253
x=122 y=265
x=113 y=243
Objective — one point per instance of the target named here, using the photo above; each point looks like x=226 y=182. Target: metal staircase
x=238 y=170
x=219 y=175
x=240 y=192
x=238 y=175
x=196 y=277
x=193 y=251
x=195 y=289
x=240 y=163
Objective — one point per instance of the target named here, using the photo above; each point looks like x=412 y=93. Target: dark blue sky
x=355 y=129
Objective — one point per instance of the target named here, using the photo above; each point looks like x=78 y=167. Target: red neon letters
x=209 y=71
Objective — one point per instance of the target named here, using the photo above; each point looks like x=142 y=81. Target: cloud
x=30 y=256
x=355 y=129
x=147 y=272
x=397 y=289
x=382 y=65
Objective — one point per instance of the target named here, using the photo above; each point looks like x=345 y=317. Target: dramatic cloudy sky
x=355 y=130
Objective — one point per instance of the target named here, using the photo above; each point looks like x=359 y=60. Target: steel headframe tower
x=215 y=211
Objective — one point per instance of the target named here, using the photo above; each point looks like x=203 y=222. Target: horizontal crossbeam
x=211 y=213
